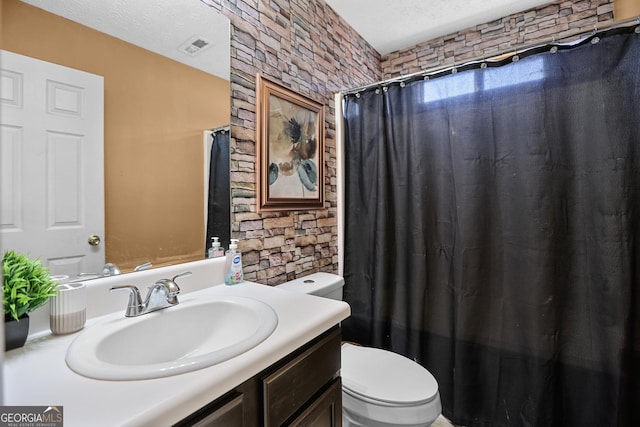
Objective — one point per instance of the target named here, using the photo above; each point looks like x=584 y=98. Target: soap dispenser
x=215 y=250
x=233 y=265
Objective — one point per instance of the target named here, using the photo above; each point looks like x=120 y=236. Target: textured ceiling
x=392 y=25
x=160 y=26
x=163 y=25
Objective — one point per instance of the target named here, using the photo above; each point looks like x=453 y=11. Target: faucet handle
x=147 y=265
x=183 y=274
x=135 y=305
x=171 y=283
x=171 y=287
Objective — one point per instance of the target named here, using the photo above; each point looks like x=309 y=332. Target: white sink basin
x=192 y=335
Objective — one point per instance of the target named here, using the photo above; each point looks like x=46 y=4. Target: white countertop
x=37 y=374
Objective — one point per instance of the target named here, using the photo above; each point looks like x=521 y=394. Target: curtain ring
x=554 y=48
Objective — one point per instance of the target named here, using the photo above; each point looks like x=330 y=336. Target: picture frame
x=290 y=148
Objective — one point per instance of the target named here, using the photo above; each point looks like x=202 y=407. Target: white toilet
x=379 y=388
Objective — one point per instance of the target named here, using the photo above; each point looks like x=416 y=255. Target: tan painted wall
x=626 y=9
x=1 y=18
x=155 y=112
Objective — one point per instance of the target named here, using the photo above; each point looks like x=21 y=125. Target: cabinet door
x=288 y=389
x=230 y=414
x=325 y=411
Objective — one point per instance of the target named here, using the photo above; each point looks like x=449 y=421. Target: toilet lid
x=385 y=376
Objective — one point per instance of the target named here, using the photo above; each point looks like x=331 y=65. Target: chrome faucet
x=162 y=294
x=110 y=269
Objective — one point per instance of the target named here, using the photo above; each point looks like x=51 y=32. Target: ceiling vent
x=194 y=46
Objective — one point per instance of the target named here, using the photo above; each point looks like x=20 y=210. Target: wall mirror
x=165 y=68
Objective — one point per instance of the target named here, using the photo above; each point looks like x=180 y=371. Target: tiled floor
x=442 y=422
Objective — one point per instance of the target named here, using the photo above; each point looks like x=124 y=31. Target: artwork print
x=291 y=148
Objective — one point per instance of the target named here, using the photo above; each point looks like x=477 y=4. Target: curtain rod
x=497 y=57
x=226 y=128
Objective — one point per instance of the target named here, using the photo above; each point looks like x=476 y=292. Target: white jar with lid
x=68 y=309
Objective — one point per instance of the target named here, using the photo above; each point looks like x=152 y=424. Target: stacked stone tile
x=304 y=45
x=553 y=20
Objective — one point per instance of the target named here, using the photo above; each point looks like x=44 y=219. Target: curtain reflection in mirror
x=219 y=197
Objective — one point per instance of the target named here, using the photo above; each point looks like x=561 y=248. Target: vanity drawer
x=290 y=387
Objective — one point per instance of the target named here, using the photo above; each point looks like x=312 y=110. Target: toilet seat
x=384 y=377
x=382 y=389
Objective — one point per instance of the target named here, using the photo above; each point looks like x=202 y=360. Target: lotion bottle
x=233 y=265
x=215 y=250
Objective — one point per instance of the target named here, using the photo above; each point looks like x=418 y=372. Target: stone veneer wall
x=307 y=47
x=304 y=45
x=552 y=20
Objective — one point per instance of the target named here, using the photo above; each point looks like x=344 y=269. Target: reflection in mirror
x=218 y=188
x=165 y=70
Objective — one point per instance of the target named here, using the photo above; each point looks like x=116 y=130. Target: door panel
x=51 y=155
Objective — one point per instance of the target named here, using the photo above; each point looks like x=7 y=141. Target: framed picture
x=290 y=149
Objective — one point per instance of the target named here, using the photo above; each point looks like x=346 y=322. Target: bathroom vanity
x=303 y=388
x=291 y=377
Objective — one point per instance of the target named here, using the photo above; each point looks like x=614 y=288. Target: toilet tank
x=321 y=284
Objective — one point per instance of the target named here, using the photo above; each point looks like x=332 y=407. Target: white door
x=51 y=164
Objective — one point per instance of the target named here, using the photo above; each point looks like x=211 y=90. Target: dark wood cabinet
x=302 y=389
x=324 y=411
x=227 y=414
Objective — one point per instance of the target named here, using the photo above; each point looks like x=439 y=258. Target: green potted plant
x=26 y=286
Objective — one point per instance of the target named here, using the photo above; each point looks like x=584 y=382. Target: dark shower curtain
x=219 y=206
x=492 y=233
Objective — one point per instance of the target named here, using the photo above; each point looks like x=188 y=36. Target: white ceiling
x=160 y=26
x=390 y=25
